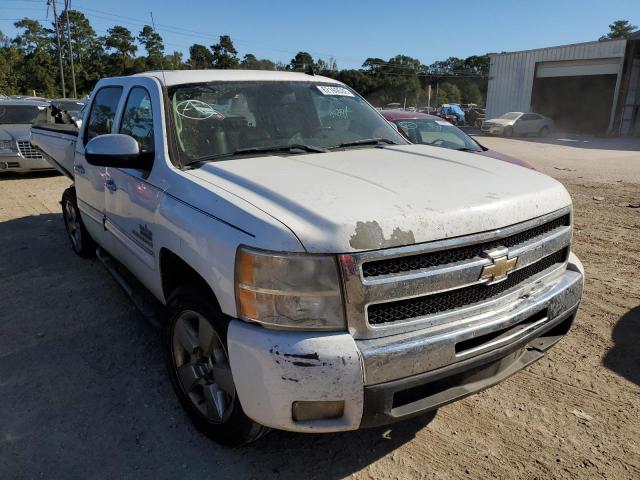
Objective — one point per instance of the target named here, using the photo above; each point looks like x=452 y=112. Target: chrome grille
x=449 y=300
x=27 y=150
x=412 y=263
x=400 y=289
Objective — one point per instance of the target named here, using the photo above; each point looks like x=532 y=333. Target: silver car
x=16 y=152
x=518 y=124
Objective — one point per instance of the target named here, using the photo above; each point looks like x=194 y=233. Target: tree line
x=29 y=63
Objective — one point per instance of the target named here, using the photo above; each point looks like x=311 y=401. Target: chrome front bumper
x=543 y=305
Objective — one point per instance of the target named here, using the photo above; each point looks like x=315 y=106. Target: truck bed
x=57 y=142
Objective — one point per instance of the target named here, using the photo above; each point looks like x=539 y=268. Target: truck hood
x=15 y=132
x=371 y=198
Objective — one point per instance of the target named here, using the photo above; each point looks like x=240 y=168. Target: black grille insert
x=443 y=257
x=441 y=302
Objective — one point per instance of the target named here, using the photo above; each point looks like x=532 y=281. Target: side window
x=137 y=119
x=529 y=116
x=103 y=112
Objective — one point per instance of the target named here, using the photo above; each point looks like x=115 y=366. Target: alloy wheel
x=202 y=366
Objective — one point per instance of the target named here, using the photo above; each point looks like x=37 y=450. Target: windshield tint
x=219 y=118
x=437 y=133
x=19 y=114
x=511 y=116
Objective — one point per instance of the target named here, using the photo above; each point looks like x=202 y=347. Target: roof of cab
x=177 y=77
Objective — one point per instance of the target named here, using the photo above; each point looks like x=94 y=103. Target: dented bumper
x=399 y=376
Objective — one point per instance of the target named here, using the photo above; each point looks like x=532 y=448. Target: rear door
x=528 y=123
x=90 y=180
x=132 y=198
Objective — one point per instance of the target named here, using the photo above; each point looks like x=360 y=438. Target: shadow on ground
x=624 y=357
x=83 y=390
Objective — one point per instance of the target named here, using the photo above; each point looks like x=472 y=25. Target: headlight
x=289 y=291
x=7 y=146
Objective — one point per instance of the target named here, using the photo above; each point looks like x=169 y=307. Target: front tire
x=508 y=132
x=198 y=364
x=81 y=241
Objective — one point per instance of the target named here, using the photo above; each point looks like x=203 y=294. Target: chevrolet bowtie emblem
x=499 y=269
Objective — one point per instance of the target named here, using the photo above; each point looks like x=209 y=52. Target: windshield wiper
x=465 y=149
x=247 y=151
x=280 y=148
x=366 y=141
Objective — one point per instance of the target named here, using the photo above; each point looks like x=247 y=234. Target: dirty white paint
x=273 y=369
x=371 y=198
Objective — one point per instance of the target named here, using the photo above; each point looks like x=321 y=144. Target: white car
x=319 y=273
x=16 y=152
x=518 y=124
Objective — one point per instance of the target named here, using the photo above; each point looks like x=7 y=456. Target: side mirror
x=118 y=151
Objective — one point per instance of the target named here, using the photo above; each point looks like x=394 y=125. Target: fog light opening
x=321 y=410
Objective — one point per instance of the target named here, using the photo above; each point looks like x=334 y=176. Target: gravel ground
x=83 y=393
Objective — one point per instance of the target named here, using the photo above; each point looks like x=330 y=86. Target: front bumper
x=20 y=164
x=492 y=130
x=400 y=376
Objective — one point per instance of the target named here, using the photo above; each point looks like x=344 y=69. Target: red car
x=434 y=131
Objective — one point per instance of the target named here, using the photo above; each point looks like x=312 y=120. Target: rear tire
x=195 y=338
x=81 y=241
x=544 y=131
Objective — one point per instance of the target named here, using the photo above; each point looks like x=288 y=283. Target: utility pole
x=67 y=4
x=55 y=16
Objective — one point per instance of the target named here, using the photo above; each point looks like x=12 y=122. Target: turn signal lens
x=289 y=291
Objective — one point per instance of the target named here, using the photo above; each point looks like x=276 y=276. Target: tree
x=225 y=55
x=619 y=29
x=153 y=44
x=87 y=50
x=448 y=93
x=200 y=58
x=250 y=62
x=120 y=39
x=38 y=71
x=173 y=61
x=301 y=62
x=470 y=93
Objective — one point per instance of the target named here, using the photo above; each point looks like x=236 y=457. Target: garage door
x=577 y=94
x=577 y=68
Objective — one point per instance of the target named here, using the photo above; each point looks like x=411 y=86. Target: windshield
x=437 y=133
x=19 y=114
x=219 y=118
x=511 y=116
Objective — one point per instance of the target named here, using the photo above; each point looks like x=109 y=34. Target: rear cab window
x=103 y=112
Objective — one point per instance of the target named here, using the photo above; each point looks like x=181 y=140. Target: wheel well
x=175 y=272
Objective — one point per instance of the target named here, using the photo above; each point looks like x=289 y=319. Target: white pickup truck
x=319 y=273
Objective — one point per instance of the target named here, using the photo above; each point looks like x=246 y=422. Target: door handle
x=78 y=169
x=111 y=185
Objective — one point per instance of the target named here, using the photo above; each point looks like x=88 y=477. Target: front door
x=90 y=180
x=131 y=198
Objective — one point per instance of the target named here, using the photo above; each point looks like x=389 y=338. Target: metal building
x=591 y=87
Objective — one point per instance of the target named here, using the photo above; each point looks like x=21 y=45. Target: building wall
x=511 y=75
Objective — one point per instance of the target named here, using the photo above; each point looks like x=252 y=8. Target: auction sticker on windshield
x=443 y=123
x=340 y=91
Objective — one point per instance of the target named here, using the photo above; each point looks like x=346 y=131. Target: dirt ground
x=83 y=393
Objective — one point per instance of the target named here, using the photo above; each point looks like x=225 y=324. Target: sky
x=348 y=30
